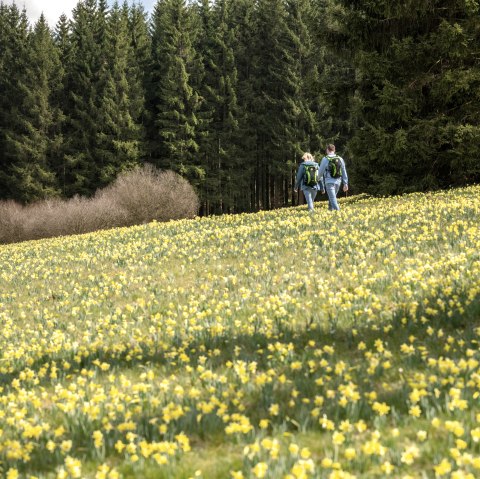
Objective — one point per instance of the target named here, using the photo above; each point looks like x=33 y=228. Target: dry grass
x=135 y=197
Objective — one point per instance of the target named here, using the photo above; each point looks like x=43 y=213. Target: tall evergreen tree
x=234 y=175
x=63 y=42
x=417 y=82
x=117 y=142
x=241 y=22
x=173 y=98
x=225 y=178
x=304 y=118
x=202 y=81
x=14 y=59
x=278 y=105
x=31 y=138
x=138 y=68
x=331 y=82
x=82 y=79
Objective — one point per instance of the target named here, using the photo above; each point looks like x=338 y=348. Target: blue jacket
x=325 y=177
x=300 y=182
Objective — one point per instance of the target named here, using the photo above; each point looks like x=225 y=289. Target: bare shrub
x=42 y=219
x=51 y=218
x=104 y=213
x=147 y=194
x=135 y=197
x=11 y=222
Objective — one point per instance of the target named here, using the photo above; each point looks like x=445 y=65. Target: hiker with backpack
x=308 y=179
x=332 y=173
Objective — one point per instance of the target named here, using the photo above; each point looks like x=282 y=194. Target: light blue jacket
x=325 y=177
x=300 y=182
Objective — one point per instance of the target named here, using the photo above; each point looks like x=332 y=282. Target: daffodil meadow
x=270 y=345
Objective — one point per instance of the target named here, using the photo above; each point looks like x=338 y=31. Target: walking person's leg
x=309 y=194
x=314 y=194
x=332 y=190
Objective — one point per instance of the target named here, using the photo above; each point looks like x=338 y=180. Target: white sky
x=52 y=9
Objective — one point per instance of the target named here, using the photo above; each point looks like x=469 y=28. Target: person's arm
x=323 y=166
x=344 y=175
x=321 y=173
x=299 y=177
x=321 y=183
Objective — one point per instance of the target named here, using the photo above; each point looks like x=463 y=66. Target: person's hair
x=307 y=156
x=331 y=147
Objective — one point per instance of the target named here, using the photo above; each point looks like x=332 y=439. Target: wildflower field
x=270 y=345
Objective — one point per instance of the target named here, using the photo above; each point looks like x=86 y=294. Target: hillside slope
x=276 y=344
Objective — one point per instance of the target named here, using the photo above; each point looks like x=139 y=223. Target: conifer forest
x=230 y=93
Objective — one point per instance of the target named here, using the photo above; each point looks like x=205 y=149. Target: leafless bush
x=42 y=219
x=135 y=197
x=147 y=194
x=11 y=221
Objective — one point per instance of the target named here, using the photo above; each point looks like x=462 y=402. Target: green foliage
x=415 y=90
x=83 y=73
x=225 y=175
x=138 y=65
x=230 y=93
x=31 y=139
x=117 y=138
x=176 y=102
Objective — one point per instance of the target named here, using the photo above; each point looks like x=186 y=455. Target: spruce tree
x=304 y=118
x=6 y=73
x=14 y=58
x=31 y=140
x=233 y=178
x=278 y=105
x=331 y=83
x=219 y=149
x=138 y=68
x=175 y=103
x=117 y=142
x=241 y=22
x=202 y=80
x=81 y=174
x=63 y=42
x=417 y=78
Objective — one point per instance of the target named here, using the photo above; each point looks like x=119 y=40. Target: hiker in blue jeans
x=332 y=173
x=308 y=179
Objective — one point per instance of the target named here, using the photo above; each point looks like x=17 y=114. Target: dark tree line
x=229 y=93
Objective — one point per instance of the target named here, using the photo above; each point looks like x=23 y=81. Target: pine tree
x=13 y=64
x=31 y=139
x=63 y=42
x=138 y=68
x=278 y=105
x=6 y=74
x=175 y=102
x=233 y=178
x=224 y=178
x=417 y=77
x=331 y=82
x=117 y=143
x=202 y=81
x=83 y=71
x=241 y=22
x=305 y=132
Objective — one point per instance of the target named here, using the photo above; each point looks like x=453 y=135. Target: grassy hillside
x=276 y=344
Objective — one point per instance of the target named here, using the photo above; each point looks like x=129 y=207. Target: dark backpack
x=334 y=166
x=311 y=175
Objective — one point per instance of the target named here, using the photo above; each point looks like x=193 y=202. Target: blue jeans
x=332 y=190
x=309 y=194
